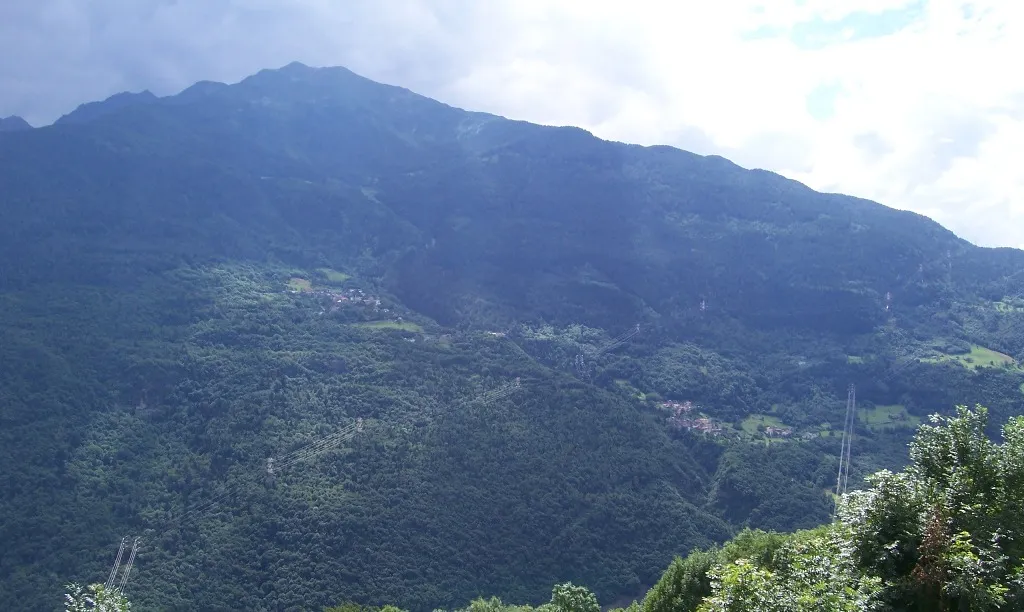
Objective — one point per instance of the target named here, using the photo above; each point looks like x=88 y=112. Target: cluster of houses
x=678 y=408
x=342 y=298
x=702 y=424
x=680 y=417
x=685 y=415
x=349 y=297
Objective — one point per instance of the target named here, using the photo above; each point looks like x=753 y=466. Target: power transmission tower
x=842 y=478
x=128 y=568
x=117 y=564
x=270 y=472
x=580 y=361
x=851 y=401
x=112 y=577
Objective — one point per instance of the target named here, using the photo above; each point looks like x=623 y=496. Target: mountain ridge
x=14 y=123
x=298 y=72
x=90 y=111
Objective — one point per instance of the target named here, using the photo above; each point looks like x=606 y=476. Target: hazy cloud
x=873 y=145
x=900 y=101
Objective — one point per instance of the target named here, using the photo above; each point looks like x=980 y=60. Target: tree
x=974 y=486
x=812 y=571
x=96 y=598
x=494 y=604
x=945 y=534
x=683 y=585
x=568 y=597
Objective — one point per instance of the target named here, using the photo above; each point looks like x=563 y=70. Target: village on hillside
x=334 y=299
x=687 y=415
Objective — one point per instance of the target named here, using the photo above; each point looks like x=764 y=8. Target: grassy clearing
x=1008 y=306
x=333 y=276
x=751 y=423
x=370 y=194
x=299 y=284
x=979 y=357
x=881 y=417
x=403 y=325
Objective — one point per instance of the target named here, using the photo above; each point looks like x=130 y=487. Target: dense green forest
x=943 y=534
x=571 y=359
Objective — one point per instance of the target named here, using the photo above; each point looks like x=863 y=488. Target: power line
x=580 y=361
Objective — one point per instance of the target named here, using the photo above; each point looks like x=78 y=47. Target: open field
x=403 y=325
x=299 y=284
x=894 y=415
x=979 y=357
x=333 y=276
x=751 y=422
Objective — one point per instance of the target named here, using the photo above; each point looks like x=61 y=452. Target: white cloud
x=927 y=115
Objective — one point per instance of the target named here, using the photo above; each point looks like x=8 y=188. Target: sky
x=917 y=104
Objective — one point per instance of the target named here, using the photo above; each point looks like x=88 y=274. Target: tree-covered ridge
x=194 y=284
x=942 y=534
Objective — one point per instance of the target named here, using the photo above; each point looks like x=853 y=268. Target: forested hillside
x=943 y=534
x=192 y=285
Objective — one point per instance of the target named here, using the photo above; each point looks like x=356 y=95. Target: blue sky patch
x=821 y=102
x=763 y=32
x=860 y=25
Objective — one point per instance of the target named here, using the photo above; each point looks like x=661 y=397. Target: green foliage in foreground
x=943 y=534
x=566 y=597
x=95 y=598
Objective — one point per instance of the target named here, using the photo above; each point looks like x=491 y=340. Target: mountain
x=91 y=110
x=13 y=123
x=195 y=284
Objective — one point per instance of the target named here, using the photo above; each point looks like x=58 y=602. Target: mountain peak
x=295 y=67
x=13 y=123
x=299 y=72
x=297 y=83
